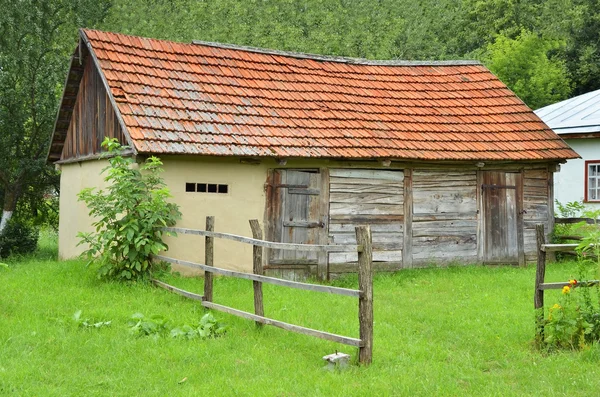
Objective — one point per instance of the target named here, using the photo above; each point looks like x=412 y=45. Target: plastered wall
x=569 y=183
x=74 y=214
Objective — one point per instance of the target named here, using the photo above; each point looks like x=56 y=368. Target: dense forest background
x=544 y=50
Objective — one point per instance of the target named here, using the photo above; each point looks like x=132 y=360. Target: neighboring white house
x=577 y=121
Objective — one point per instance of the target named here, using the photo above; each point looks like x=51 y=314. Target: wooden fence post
x=540 y=274
x=257 y=267
x=365 y=285
x=208 y=259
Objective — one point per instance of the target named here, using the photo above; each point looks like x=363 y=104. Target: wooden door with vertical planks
x=500 y=216
x=295 y=217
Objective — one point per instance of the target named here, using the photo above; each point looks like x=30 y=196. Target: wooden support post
x=365 y=285
x=208 y=259
x=323 y=257
x=540 y=273
x=257 y=267
x=520 y=221
x=407 y=256
x=551 y=256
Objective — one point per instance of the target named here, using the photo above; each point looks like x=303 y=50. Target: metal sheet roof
x=577 y=115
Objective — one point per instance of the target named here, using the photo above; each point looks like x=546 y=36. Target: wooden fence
x=540 y=275
x=365 y=281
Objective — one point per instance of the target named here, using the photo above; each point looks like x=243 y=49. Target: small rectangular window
x=207 y=188
x=592 y=180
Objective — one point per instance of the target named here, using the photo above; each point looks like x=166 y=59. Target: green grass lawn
x=448 y=331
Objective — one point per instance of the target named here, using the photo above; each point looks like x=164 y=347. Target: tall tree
x=525 y=65
x=583 y=46
x=36 y=38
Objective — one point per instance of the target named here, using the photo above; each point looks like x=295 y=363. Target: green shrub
x=574 y=322
x=572 y=209
x=18 y=238
x=129 y=216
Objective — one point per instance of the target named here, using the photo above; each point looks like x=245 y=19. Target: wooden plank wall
x=374 y=197
x=536 y=206
x=93 y=118
x=444 y=224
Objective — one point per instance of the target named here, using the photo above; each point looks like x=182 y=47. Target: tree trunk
x=10 y=204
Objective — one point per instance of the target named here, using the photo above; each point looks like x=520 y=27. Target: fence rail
x=263 y=279
x=364 y=293
x=268 y=244
x=567 y=221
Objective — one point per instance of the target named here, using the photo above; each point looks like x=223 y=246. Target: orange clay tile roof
x=212 y=99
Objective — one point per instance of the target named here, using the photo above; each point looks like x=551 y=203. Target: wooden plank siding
x=537 y=206
x=93 y=118
x=418 y=216
x=366 y=196
x=445 y=218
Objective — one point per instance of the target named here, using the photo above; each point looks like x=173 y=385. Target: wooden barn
x=442 y=160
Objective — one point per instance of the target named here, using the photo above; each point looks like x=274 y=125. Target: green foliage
x=18 y=238
x=589 y=247
x=129 y=216
x=157 y=326
x=582 y=28
x=36 y=40
x=207 y=327
x=566 y=326
x=574 y=322
x=573 y=209
x=87 y=323
x=526 y=66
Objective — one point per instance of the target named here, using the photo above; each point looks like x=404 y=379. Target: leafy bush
x=129 y=216
x=574 y=322
x=567 y=326
x=18 y=238
x=157 y=326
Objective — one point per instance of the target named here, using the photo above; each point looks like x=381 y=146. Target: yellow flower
x=566 y=290
x=573 y=282
x=556 y=306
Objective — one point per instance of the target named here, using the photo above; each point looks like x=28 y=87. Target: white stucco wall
x=569 y=183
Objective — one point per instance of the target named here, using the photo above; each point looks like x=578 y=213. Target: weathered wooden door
x=295 y=217
x=501 y=210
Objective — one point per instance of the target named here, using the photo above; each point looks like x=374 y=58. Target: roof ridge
x=316 y=57
x=332 y=58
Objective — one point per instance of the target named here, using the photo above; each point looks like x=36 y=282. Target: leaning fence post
x=208 y=259
x=365 y=285
x=540 y=274
x=257 y=267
